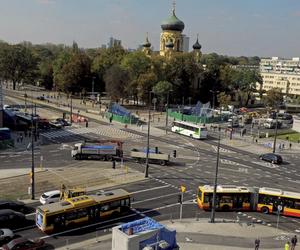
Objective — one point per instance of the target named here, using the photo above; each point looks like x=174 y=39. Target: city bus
x=236 y=198
x=228 y=198
x=83 y=209
x=196 y=131
x=269 y=199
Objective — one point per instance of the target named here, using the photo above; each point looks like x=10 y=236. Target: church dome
x=197 y=45
x=146 y=44
x=172 y=23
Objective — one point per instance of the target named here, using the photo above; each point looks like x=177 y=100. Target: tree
x=46 y=74
x=75 y=75
x=17 y=63
x=116 y=80
x=161 y=89
x=273 y=97
x=182 y=70
x=246 y=81
x=224 y=99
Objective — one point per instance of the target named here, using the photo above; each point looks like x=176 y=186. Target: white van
x=50 y=197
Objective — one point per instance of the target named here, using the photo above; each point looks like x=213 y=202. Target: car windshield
x=45 y=196
x=1 y=232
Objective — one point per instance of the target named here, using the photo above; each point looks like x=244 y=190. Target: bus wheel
x=109 y=158
x=265 y=210
x=162 y=163
x=225 y=208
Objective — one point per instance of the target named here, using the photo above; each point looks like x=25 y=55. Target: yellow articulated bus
x=269 y=199
x=236 y=198
x=82 y=209
x=228 y=197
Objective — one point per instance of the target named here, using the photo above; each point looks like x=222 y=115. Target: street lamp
x=214 y=92
x=276 y=128
x=71 y=109
x=213 y=210
x=32 y=158
x=167 y=108
x=148 y=138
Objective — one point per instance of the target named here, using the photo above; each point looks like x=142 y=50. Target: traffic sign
x=279 y=208
x=183 y=189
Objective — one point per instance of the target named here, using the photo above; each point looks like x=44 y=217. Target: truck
x=154 y=156
x=108 y=150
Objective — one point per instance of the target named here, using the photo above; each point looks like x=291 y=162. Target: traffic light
x=179 y=199
x=174 y=153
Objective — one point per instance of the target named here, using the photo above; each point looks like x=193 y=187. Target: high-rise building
x=281 y=73
x=186 y=43
x=114 y=42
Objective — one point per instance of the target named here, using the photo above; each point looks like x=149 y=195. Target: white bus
x=196 y=131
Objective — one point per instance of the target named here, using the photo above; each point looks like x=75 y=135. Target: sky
x=230 y=27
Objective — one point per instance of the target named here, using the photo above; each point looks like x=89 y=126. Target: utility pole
x=71 y=109
x=276 y=128
x=213 y=210
x=148 y=138
x=167 y=108
x=32 y=158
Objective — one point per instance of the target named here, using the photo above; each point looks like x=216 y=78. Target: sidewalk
x=194 y=235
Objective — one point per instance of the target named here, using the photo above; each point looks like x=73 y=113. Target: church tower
x=147 y=46
x=197 y=50
x=171 y=34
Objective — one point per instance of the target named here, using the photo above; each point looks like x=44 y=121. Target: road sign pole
x=279 y=208
x=181 y=206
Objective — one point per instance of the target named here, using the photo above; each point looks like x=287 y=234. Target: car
x=24 y=244
x=10 y=218
x=14 y=205
x=55 y=124
x=6 y=235
x=50 y=197
x=270 y=157
x=63 y=122
x=42 y=98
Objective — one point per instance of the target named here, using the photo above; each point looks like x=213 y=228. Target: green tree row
x=127 y=75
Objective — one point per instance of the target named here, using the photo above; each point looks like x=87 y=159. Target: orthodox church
x=171 y=38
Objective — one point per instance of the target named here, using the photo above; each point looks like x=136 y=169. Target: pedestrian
x=256 y=140
x=282 y=145
x=21 y=138
x=287 y=246
x=86 y=124
x=290 y=145
x=294 y=241
x=110 y=119
x=256 y=243
x=38 y=134
x=279 y=146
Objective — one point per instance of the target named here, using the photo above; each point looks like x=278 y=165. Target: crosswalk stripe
x=104 y=131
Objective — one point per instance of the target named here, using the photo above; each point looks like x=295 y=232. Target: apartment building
x=281 y=73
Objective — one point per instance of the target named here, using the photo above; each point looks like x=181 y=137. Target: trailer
x=107 y=150
x=154 y=156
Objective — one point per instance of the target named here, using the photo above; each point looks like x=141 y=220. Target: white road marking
x=150 y=189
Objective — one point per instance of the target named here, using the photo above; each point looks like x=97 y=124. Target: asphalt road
x=158 y=196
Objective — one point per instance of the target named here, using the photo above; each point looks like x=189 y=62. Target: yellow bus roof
x=225 y=189
x=279 y=192
x=83 y=201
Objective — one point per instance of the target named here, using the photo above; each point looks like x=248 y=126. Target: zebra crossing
x=95 y=131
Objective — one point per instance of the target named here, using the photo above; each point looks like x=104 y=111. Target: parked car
x=270 y=157
x=50 y=197
x=24 y=244
x=63 y=122
x=6 y=235
x=14 y=205
x=10 y=218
